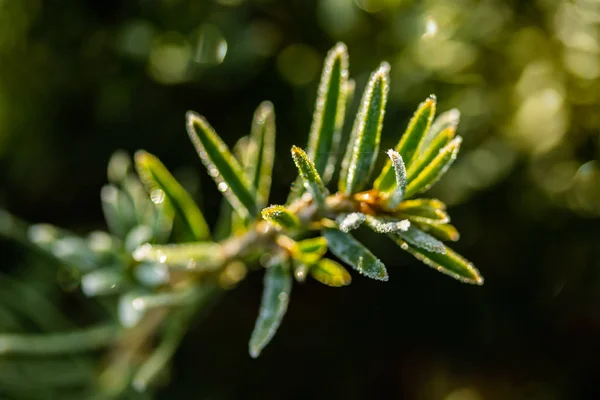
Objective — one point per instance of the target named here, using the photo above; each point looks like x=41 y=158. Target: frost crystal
x=384 y=226
x=349 y=222
x=422 y=240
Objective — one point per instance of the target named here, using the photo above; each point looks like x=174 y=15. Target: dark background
x=79 y=80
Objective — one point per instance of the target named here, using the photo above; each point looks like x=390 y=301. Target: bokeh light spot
x=464 y=394
x=210 y=46
x=298 y=64
x=541 y=120
x=169 y=60
x=337 y=17
x=136 y=39
x=370 y=6
x=431 y=27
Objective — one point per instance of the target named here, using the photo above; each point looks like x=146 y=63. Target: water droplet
x=361 y=262
x=161 y=257
x=222 y=187
x=431 y=27
x=213 y=171
x=157 y=196
x=282 y=297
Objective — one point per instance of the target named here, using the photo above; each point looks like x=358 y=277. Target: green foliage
x=428 y=211
x=158 y=266
x=222 y=166
x=310 y=176
x=366 y=133
x=275 y=300
x=431 y=152
x=441 y=231
x=280 y=217
x=448 y=262
x=58 y=343
x=179 y=205
x=310 y=250
x=261 y=155
x=409 y=142
x=396 y=196
x=445 y=121
x=330 y=110
x=436 y=169
x=202 y=256
x=330 y=273
x=420 y=239
x=352 y=252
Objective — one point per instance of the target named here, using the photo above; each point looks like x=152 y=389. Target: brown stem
x=262 y=235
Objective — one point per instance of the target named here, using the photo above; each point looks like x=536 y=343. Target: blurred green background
x=79 y=80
